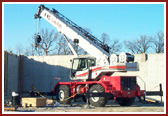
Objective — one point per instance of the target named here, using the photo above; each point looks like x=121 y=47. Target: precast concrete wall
x=151 y=73
x=156 y=73
x=13 y=73
x=12 y=79
x=41 y=70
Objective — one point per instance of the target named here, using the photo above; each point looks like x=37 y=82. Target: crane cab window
x=81 y=65
x=75 y=65
x=91 y=62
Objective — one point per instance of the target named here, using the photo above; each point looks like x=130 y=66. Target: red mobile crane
x=92 y=77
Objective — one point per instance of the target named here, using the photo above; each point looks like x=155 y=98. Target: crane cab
x=81 y=64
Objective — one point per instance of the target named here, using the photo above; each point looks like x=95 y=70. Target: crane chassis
x=92 y=78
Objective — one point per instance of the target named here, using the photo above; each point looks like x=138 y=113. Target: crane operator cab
x=81 y=64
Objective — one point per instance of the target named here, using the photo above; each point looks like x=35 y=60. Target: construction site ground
x=112 y=106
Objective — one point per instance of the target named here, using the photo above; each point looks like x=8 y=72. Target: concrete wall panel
x=150 y=71
x=12 y=74
x=41 y=70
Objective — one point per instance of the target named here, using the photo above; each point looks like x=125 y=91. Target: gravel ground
x=82 y=107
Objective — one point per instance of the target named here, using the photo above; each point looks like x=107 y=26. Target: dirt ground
x=111 y=107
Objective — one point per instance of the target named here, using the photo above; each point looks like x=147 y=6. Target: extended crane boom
x=97 y=82
x=77 y=34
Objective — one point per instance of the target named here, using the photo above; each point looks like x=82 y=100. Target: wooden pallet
x=149 y=100
x=10 y=108
x=33 y=102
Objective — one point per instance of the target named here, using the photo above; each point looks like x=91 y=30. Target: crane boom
x=65 y=26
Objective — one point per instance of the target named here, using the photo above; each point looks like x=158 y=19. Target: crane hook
x=37 y=38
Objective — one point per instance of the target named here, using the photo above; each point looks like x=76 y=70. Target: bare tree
x=19 y=49
x=62 y=47
x=78 y=49
x=159 y=42
x=144 y=43
x=131 y=45
x=10 y=50
x=60 y=44
x=116 y=46
x=48 y=42
x=104 y=38
x=27 y=51
x=139 y=45
x=31 y=50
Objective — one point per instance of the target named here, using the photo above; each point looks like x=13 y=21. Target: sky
x=119 y=21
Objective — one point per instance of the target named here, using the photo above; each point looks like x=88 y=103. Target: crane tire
x=125 y=101
x=97 y=101
x=63 y=94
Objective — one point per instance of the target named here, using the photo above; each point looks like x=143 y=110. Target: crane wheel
x=125 y=101
x=63 y=94
x=97 y=101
